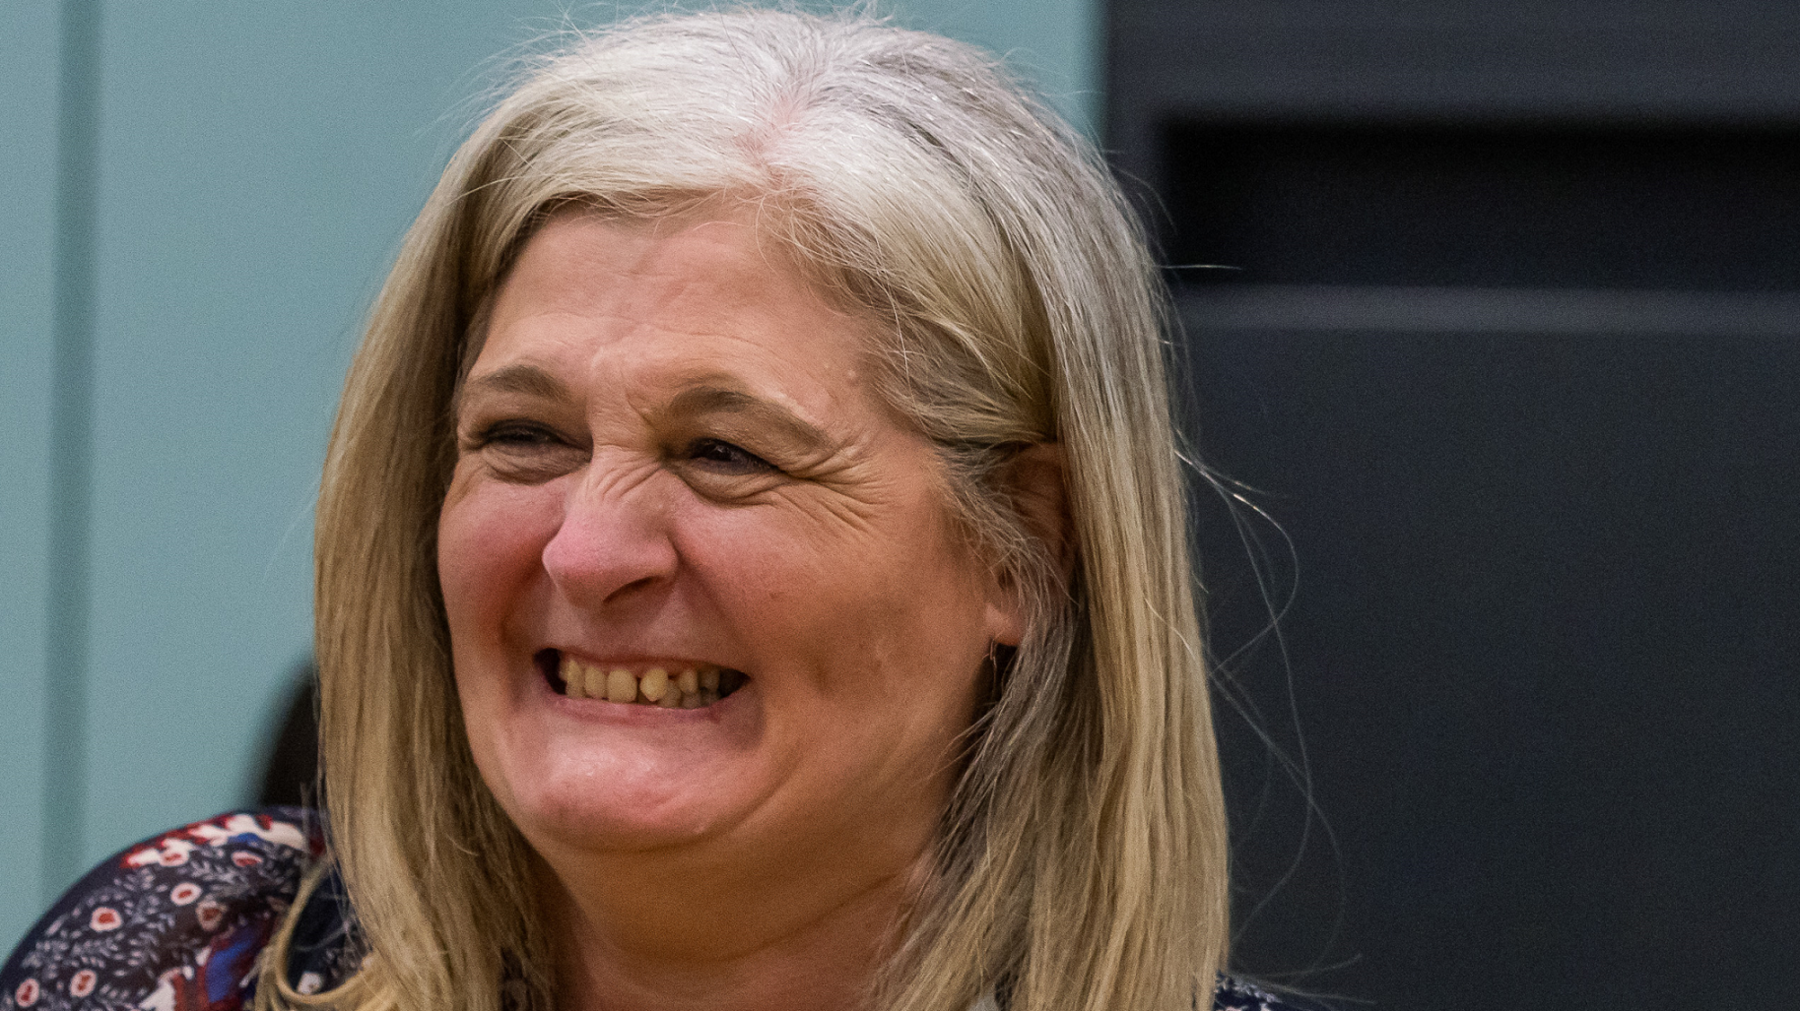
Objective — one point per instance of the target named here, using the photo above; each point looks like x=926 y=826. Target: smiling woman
x=752 y=574
x=696 y=481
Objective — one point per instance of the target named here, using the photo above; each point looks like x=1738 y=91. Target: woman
x=751 y=572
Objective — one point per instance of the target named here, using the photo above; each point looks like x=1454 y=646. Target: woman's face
x=670 y=459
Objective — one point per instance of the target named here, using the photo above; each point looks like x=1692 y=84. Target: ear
x=1034 y=482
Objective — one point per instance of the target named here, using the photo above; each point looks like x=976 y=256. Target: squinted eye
x=524 y=451
x=719 y=455
x=515 y=433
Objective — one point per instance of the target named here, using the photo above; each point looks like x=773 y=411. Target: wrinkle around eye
x=724 y=471
x=524 y=453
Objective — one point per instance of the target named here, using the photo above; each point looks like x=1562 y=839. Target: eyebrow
x=705 y=398
x=526 y=379
x=714 y=399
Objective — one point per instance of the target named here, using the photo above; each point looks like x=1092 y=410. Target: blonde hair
x=1082 y=862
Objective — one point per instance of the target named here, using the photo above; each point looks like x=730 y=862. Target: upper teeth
x=683 y=688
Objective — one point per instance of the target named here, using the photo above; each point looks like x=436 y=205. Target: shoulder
x=174 y=922
x=1242 y=995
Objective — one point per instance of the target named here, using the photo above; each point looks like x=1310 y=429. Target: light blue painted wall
x=261 y=162
x=258 y=165
x=1053 y=44
x=28 y=34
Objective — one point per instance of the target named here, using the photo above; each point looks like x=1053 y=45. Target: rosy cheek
x=490 y=542
x=765 y=581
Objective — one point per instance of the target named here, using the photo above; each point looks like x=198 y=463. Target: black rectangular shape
x=1490 y=205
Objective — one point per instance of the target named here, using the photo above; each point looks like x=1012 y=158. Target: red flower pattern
x=124 y=930
x=210 y=913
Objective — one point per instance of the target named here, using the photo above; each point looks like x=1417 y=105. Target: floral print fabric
x=179 y=922
x=172 y=924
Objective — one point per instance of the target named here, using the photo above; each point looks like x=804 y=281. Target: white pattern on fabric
x=172 y=924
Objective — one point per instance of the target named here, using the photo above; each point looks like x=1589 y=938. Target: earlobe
x=1034 y=481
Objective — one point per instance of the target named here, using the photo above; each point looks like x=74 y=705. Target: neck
x=657 y=932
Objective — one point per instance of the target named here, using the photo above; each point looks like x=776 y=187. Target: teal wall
x=251 y=170
x=28 y=109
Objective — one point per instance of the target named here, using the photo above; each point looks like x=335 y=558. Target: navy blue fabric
x=174 y=923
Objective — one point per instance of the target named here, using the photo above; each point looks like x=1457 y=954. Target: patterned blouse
x=178 y=922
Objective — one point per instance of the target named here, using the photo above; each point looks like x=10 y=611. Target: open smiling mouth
x=691 y=687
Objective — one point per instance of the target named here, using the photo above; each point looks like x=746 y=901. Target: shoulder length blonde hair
x=1082 y=862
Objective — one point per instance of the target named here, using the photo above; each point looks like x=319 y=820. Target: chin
x=598 y=776
x=572 y=815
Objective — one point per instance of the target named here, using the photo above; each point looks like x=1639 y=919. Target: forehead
x=629 y=315
x=714 y=283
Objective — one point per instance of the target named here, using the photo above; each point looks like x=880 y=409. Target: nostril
x=549 y=664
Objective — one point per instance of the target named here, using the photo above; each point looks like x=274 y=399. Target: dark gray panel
x=1390 y=61
x=1529 y=417
x=1543 y=653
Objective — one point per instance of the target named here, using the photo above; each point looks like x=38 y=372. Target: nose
x=614 y=542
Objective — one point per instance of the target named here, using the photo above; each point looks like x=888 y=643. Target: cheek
x=785 y=586
x=864 y=609
x=490 y=547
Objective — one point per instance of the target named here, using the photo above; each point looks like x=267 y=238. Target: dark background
x=1510 y=354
